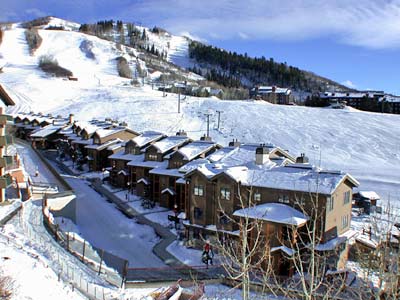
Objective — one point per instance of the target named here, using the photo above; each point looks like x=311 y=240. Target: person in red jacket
x=208 y=254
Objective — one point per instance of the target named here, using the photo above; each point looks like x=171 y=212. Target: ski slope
x=361 y=143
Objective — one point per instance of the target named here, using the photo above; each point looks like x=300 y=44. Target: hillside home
x=5 y=140
x=263 y=183
x=272 y=94
x=119 y=171
x=26 y=124
x=100 y=150
x=148 y=185
x=48 y=137
x=171 y=190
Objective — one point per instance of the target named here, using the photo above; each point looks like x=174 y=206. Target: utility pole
x=208 y=124
x=219 y=117
x=179 y=101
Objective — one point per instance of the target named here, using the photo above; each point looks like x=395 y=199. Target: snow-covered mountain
x=364 y=144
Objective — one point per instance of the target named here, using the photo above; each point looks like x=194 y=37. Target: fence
x=112 y=267
x=65 y=268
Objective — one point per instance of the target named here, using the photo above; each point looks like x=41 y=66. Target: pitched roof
x=147 y=137
x=194 y=149
x=5 y=96
x=169 y=143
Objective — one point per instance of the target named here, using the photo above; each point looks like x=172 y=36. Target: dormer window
x=152 y=157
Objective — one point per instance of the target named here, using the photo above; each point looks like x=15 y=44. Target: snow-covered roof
x=102 y=133
x=122 y=156
x=100 y=147
x=291 y=178
x=147 y=137
x=276 y=172
x=162 y=169
x=169 y=143
x=82 y=141
x=46 y=131
x=273 y=212
x=168 y=190
x=273 y=89
x=369 y=195
x=144 y=181
x=333 y=243
x=285 y=249
x=191 y=150
x=370 y=94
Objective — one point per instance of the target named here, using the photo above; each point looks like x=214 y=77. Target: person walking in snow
x=208 y=254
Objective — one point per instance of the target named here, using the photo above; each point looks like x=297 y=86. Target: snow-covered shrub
x=50 y=65
x=33 y=39
x=123 y=68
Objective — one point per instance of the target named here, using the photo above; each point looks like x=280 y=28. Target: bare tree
x=377 y=253
x=6 y=287
x=244 y=256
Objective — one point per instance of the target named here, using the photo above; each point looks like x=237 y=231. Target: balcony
x=4 y=119
x=5 y=181
x=6 y=140
x=6 y=161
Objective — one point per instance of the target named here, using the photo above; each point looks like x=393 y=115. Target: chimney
x=206 y=138
x=71 y=119
x=302 y=159
x=181 y=133
x=262 y=154
x=234 y=143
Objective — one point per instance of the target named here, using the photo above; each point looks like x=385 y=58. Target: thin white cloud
x=35 y=12
x=349 y=84
x=366 y=23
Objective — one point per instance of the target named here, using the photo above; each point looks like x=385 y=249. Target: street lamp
x=128 y=191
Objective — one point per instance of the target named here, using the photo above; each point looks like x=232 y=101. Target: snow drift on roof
x=273 y=212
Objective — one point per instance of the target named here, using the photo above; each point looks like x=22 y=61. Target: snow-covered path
x=32 y=163
x=100 y=222
x=105 y=227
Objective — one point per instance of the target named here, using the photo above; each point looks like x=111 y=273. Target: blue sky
x=356 y=42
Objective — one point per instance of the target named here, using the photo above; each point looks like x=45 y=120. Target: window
x=283 y=199
x=177 y=164
x=152 y=157
x=225 y=194
x=198 y=190
x=345 y=221
x=197 y=213
x=346 y=198
x=257 y=197
x=329 y=203
x=223 y=219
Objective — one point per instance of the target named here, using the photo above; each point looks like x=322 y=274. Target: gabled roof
x=169 y=143
x=146 y=138
x=196 y=148
x=46 y=131
x=5 y=96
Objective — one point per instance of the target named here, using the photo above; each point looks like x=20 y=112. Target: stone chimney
x=206 y=138
x=71 y=119
x=181 y=133
x=234 y=143
x=302 y=159
x=262 y=154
